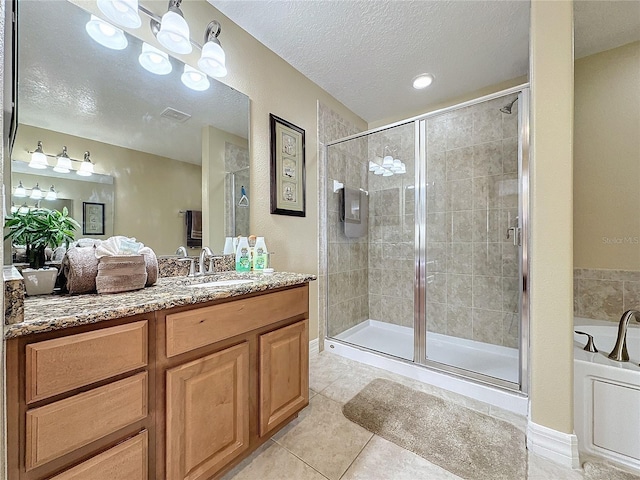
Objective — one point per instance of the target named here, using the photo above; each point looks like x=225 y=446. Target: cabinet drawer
x=126 y=461
x=61 y=427
x=203 y=326
x=60 y=365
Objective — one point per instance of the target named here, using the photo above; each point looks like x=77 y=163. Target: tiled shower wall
x=391 y=229
x=472 y=187
x=236 y=160
x=345 y=263
x=605 y=294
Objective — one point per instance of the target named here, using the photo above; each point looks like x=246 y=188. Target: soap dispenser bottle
x=260 y=255
x=243 y=256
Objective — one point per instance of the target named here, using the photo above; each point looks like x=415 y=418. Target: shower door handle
x=514 y=232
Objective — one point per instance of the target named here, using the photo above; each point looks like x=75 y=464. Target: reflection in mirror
x=165 y=147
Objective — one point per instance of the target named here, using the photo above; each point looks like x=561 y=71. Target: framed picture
x=288 y=182
x=92 y=218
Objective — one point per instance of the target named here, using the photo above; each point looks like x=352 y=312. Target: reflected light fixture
x=212 y=59
x=423 y=81
x=36 y=193
x=38 y=158
x=106 y=34
x=20 y=191
x=86 y=167
x=121 y=12
x=194 y=79
x=63 y=165
x=154 y=60
x=174 y=30
x=51 y=194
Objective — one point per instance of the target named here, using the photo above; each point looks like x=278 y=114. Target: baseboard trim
x=314 y=346
x=559 y=447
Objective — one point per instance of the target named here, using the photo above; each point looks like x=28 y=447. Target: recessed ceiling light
x=423 y=81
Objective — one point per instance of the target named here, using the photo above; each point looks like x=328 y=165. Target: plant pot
x=40 y=281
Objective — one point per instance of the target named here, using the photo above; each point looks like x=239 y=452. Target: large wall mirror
x=158 y=147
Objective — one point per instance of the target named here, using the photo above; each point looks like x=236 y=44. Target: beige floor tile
x=312 y=394
x=323 y=438
x=383 y=460
x=351 y=382
x=542 y=469
x=272 y=462
x=324 y=369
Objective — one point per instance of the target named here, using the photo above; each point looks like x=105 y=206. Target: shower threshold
x=396 y=341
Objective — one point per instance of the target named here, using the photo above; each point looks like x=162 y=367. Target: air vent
x=175 y=115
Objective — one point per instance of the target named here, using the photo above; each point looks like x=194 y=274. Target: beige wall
x=551 y=186
x=606 y=160
x=149 y=190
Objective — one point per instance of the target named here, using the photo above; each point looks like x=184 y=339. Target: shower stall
x=426 y=241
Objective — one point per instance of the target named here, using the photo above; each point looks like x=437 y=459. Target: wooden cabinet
x=284 y=374
x=207 y=413
x=179 y=394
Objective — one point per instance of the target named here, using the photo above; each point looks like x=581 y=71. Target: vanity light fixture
x=38 y=158
x=106 y=34
x=212 y=59
x=36 y=193
x=121 y=12
x=63 y=165
x=194 y=79
x=86 y=167
x=174 y=30
x=20 y=191
x=389 y=165
x=51 y=194
x=154 y=60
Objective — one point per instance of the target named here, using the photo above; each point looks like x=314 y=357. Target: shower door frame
x=420 y=318
x=420 y=282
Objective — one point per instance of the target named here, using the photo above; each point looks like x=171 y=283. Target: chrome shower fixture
x=507 y=108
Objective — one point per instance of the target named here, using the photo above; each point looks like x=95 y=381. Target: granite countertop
x=46 y=313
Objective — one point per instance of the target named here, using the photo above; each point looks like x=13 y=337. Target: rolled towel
x=80 y=268
x=151 y=264
x=121 y=274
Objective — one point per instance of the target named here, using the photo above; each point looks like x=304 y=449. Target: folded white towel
x=118 y=246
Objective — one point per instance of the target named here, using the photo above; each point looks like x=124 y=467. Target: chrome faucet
x=181 y=251
x=619 y=352
x=204 y=254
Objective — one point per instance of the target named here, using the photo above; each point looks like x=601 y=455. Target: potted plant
x=37 y=229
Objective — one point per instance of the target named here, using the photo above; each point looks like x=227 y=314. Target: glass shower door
x=470 y=233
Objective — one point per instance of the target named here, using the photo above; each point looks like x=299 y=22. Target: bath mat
x=467 y=443
x=604 y=471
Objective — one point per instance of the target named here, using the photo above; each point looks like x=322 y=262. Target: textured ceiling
x=365 y=53
x=70 y=84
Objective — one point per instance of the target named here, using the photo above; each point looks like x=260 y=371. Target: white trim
x=314 y=346
x=559 y=447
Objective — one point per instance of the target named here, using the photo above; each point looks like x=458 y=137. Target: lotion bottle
x=243 y=256
x=260 y=255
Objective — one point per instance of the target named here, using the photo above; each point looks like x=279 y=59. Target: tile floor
x=321 y=444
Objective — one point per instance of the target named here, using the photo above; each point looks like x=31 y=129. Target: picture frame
x=92 y=218
x=288 y=174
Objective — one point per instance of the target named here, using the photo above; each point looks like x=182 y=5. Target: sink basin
x=220 y=283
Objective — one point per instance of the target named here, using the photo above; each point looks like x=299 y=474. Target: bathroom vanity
x=184 y=390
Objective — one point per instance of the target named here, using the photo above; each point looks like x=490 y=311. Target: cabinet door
x=284 y=374
x=207 y=413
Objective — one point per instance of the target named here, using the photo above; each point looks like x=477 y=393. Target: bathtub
x=607 y=394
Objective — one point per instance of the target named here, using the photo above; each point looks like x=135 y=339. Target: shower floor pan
x=487 y=359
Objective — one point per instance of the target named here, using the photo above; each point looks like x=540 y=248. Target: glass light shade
x=86 y=167
x=154 y=60
x=397 y=165
x=387 y=161
x=372 y=166
x=20 y=190
x=63 y=164
x=212 y=60
x=106 y=34
x=174 y=33
x=194 y=79
x=14 y=209
x=379 y=171
x=403 y=168
x=24 y=208
x=36 y=193
x=387 y=173
x=38 y=160
x=51 y=194
x=121 y=12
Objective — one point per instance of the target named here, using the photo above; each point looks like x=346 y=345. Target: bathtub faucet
x=619 y=352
